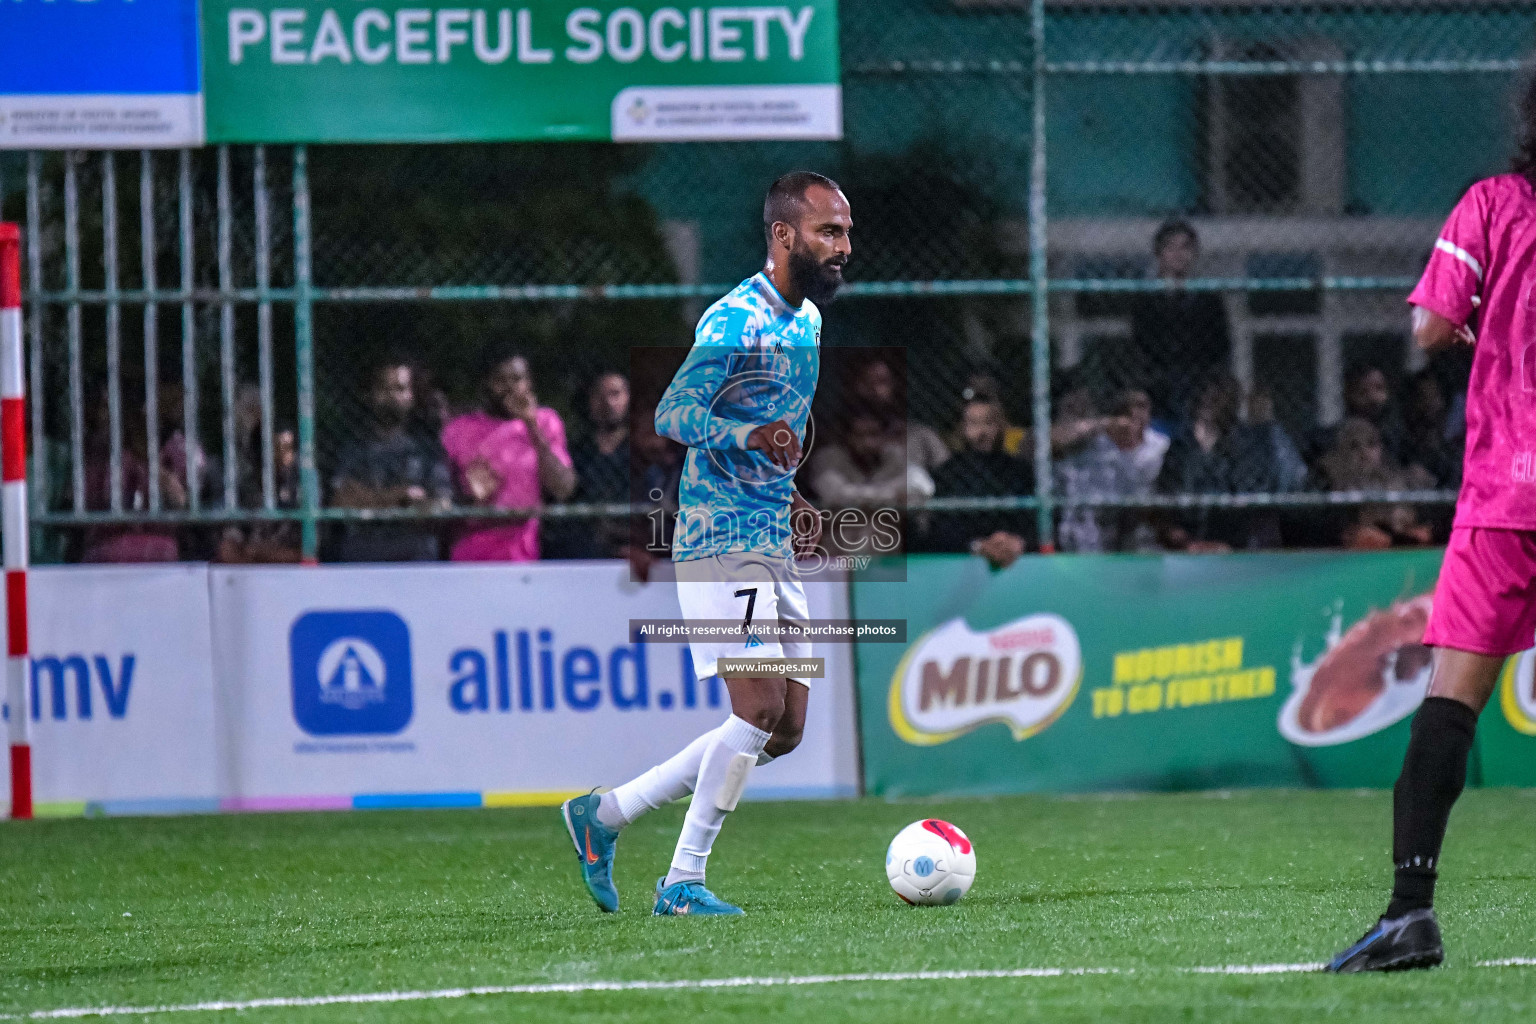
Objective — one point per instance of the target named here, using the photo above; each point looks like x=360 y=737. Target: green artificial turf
x=244 y=907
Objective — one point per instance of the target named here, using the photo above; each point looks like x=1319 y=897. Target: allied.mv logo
x=351 y=672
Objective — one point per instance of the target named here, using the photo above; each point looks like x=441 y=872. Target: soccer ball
x=930 y=863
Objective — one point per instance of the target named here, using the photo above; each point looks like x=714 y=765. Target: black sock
x=1434 y=774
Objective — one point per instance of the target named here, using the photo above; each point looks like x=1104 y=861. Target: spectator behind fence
x=981 y=469
x=1358 y=461
x=1145 y=448
x=658 y=463
x=868 y=471
x=1086 y=465
x=266 y=542
x=875 y=390
x=433 y=410
x=658 y=469
x=600 y=459
x=391 y=463
x=1216 y=454
x=1291 y=470
x=508 y=455
x=1435 y=440
x=984 y=387
x=1117 y=456
x=1367 y=396
x=128 y=542
x=1178 y=337
x=174 y=455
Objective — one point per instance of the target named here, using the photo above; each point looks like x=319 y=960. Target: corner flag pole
x=13 y=521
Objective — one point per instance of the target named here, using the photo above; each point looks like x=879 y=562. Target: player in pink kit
x=1485 y=602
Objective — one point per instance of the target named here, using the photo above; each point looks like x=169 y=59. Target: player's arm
x=1433 y=332
x=686 y=412
x=556 y=473
x=1450 y=290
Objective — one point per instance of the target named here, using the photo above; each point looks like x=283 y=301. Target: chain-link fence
x=1224 y=205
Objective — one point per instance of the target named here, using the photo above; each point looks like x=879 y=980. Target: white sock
x=702 y=825
x=671 y=780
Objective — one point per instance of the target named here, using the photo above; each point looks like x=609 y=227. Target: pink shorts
x=1485 y=601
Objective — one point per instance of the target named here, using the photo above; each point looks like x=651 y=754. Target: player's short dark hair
x=786 y=197
x=1170 y=229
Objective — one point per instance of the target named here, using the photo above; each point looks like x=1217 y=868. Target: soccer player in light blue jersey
x=741 y=403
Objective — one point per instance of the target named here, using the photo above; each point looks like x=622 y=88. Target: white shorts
x=711 y=588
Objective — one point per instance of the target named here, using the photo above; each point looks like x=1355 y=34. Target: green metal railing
x=225 y=257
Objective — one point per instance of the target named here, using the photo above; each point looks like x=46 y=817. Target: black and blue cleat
x=1405 y=943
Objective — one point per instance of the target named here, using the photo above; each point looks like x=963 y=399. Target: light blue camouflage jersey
x=754 y=360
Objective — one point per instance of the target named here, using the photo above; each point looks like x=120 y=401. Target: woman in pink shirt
x=1484 y=609
x=508 y=455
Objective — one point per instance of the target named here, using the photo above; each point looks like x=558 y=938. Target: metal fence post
x=114 y=331
x=264 y=324
x=72 y=321
x=147 y=255
x=1040 y=321
x=191 y=443
x=304 y=356
x=227 y=332
x=38 y=492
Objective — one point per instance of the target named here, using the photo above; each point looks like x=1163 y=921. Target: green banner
x=399 y=71
x=1177 y=672
x=1506 y=734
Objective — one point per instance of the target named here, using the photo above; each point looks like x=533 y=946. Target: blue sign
x=351 y=673
x=105 y=46
x=100 y=73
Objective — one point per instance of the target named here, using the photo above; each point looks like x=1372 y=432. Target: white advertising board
x=165 y=689
x=468 y=685
x=121 y=690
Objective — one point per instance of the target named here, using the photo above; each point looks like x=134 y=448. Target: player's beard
x=817 y=280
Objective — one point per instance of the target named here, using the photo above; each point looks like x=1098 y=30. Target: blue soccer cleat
x=691 y=899
x=595 y=845
x=1395 y=944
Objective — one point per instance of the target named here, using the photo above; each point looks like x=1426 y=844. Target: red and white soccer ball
x=931 y=863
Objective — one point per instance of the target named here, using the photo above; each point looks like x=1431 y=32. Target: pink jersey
x=507 y=448
x=1488 y=249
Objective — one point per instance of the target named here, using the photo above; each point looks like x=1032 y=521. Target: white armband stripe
x=1457 y=251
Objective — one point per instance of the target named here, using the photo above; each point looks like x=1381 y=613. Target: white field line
x=695 y=984
x=1255 y=969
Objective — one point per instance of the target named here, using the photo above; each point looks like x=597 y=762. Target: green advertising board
x=1179 y=672
x=401 y=71
x=1506 y=734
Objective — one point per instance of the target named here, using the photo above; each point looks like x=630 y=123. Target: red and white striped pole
x=13 y=502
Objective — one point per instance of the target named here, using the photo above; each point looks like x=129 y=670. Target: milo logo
x=1517 y=693
x=953 y=679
